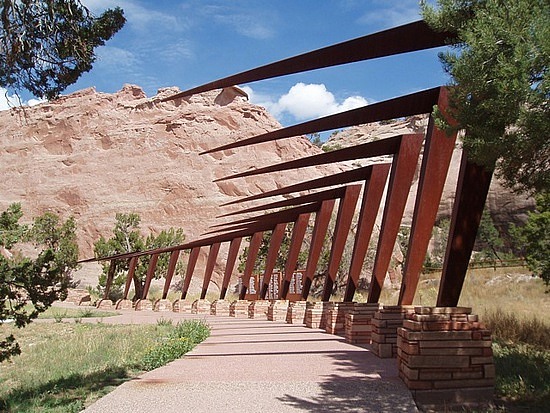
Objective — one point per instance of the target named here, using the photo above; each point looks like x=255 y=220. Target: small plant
x=87 y=313
x=58 y=316
x=78 y=320
x=163 y=322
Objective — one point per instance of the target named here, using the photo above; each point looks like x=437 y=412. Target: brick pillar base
x=239 y=309
x=105 y=304
x=445 y=358
x=181 y=306
x=162 y=305
x=200 y=307
x=220 y=307
x=277 y=310
x=336 y=318
x=124 y=304
x=316 y=314
x=296 y=312
x=359 y=323
x=144 y=305
x=258 y=309
x=385 y=323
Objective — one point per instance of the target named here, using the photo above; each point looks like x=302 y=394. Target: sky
x=190 y=42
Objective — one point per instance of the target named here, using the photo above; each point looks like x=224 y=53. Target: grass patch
x=59 y=313
x=66 y=366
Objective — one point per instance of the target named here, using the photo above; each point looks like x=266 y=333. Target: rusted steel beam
x=438 y=150
x=370 y=204
x=193 y=256
x=234 y=247
x=346 y=211
x=273 y=251
x=174 y=255
x=401 y=177
x=131 y=271
x=298 y=234
x=322 y=220
x=471 y=193
x=150 y=274
x=253 y=249
x=408 y=105
x=402 y=39
x=212 y=256
x=110 y=277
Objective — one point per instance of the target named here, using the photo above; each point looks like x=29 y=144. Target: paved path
x=261 y=366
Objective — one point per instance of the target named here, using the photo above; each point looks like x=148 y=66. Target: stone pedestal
x=144 y=305
x=336 y=318
x=239 y=309
x=220 y=307
x=124 y=304
x=277 y=310
x=258 y=309
x=162 y=305
x=105 y=304
x=445 y=358
x=385 y=323
x=181 y=306
x=78 y=296
x=316 y=314
x=200 y=307
x=296 y=312
x=359 y=323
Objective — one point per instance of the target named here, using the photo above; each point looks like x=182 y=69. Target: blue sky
x=187 y=43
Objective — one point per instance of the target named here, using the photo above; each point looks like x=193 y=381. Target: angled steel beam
x=110 y=277
x=234 y=247
x=212 y=256
x=174 y=255
x=322 y=219
x=150 y=274
x=131 y=271
x=372 y=197
x=346 y=211
x=401 y=177
x=471 y=193
x=273 y=251
x=438 y=150
x=193 y=256
x=402 y=39
x=253 y=249
x=298 y=234
x=408 y=105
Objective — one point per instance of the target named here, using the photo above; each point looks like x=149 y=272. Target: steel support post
x=298 y=234
x=109 y=281
x=372 y=197
x=131 y=271
x=471 y=193
x=253 y=249
x=346 y=211
x=272 y=253
x=174 y=255
x=234 y=247
x=322 y=220
x=150 y=274
x=401 y=176
x=193 y=256
x=212 y=256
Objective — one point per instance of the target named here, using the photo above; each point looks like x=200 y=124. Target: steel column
x=131 y=271
x=372 y=197
x=272 y=253
x=110 y=276
x=298 y=234
x=401 y=176
x=234 y=247
x=212 y=256
x=253 y=249
x=174 y=255
x=193 y=256
x=471 y=193
x=150 y=274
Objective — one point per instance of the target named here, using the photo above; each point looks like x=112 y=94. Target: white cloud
x=116 y=58
x=305 y=101
x=392 y=13
x=8 y=101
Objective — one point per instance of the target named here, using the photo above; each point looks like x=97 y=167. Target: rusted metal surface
x=401 y=176
x=402 y=39
x=150 y=274
x=438 y=150
x=174 y=255
x=370 y=204
x=298 y=234
x=253 y=249
x=212 y=257
x=471 y=193
x=110 y=277
x=131 y=271
x=322 y=219
x=234 y=247
x=275 y=242
x=346 y=211
x=193 y=256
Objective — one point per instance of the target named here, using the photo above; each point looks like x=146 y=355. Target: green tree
x=128 y=238
x=45 y=45
x=39 y=281
x=500 y=94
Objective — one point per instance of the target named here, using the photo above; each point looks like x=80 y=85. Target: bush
x=508 y=327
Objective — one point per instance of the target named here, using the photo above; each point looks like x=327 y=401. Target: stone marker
x=296 y=312
x=162 y=305
x=105 y=304
x=181 y=306
x=385 y=323
x=220 y=307
x=258 y=309
x=239 y=309
x=124 y=304
x=359 y=322
x=277 y=310
x=201 y=306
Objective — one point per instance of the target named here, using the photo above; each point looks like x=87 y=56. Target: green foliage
x=41 y=280
x=501 y=92
x=315 y=139
x=47 y=45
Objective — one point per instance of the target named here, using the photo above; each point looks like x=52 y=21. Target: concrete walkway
x=261 y=366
